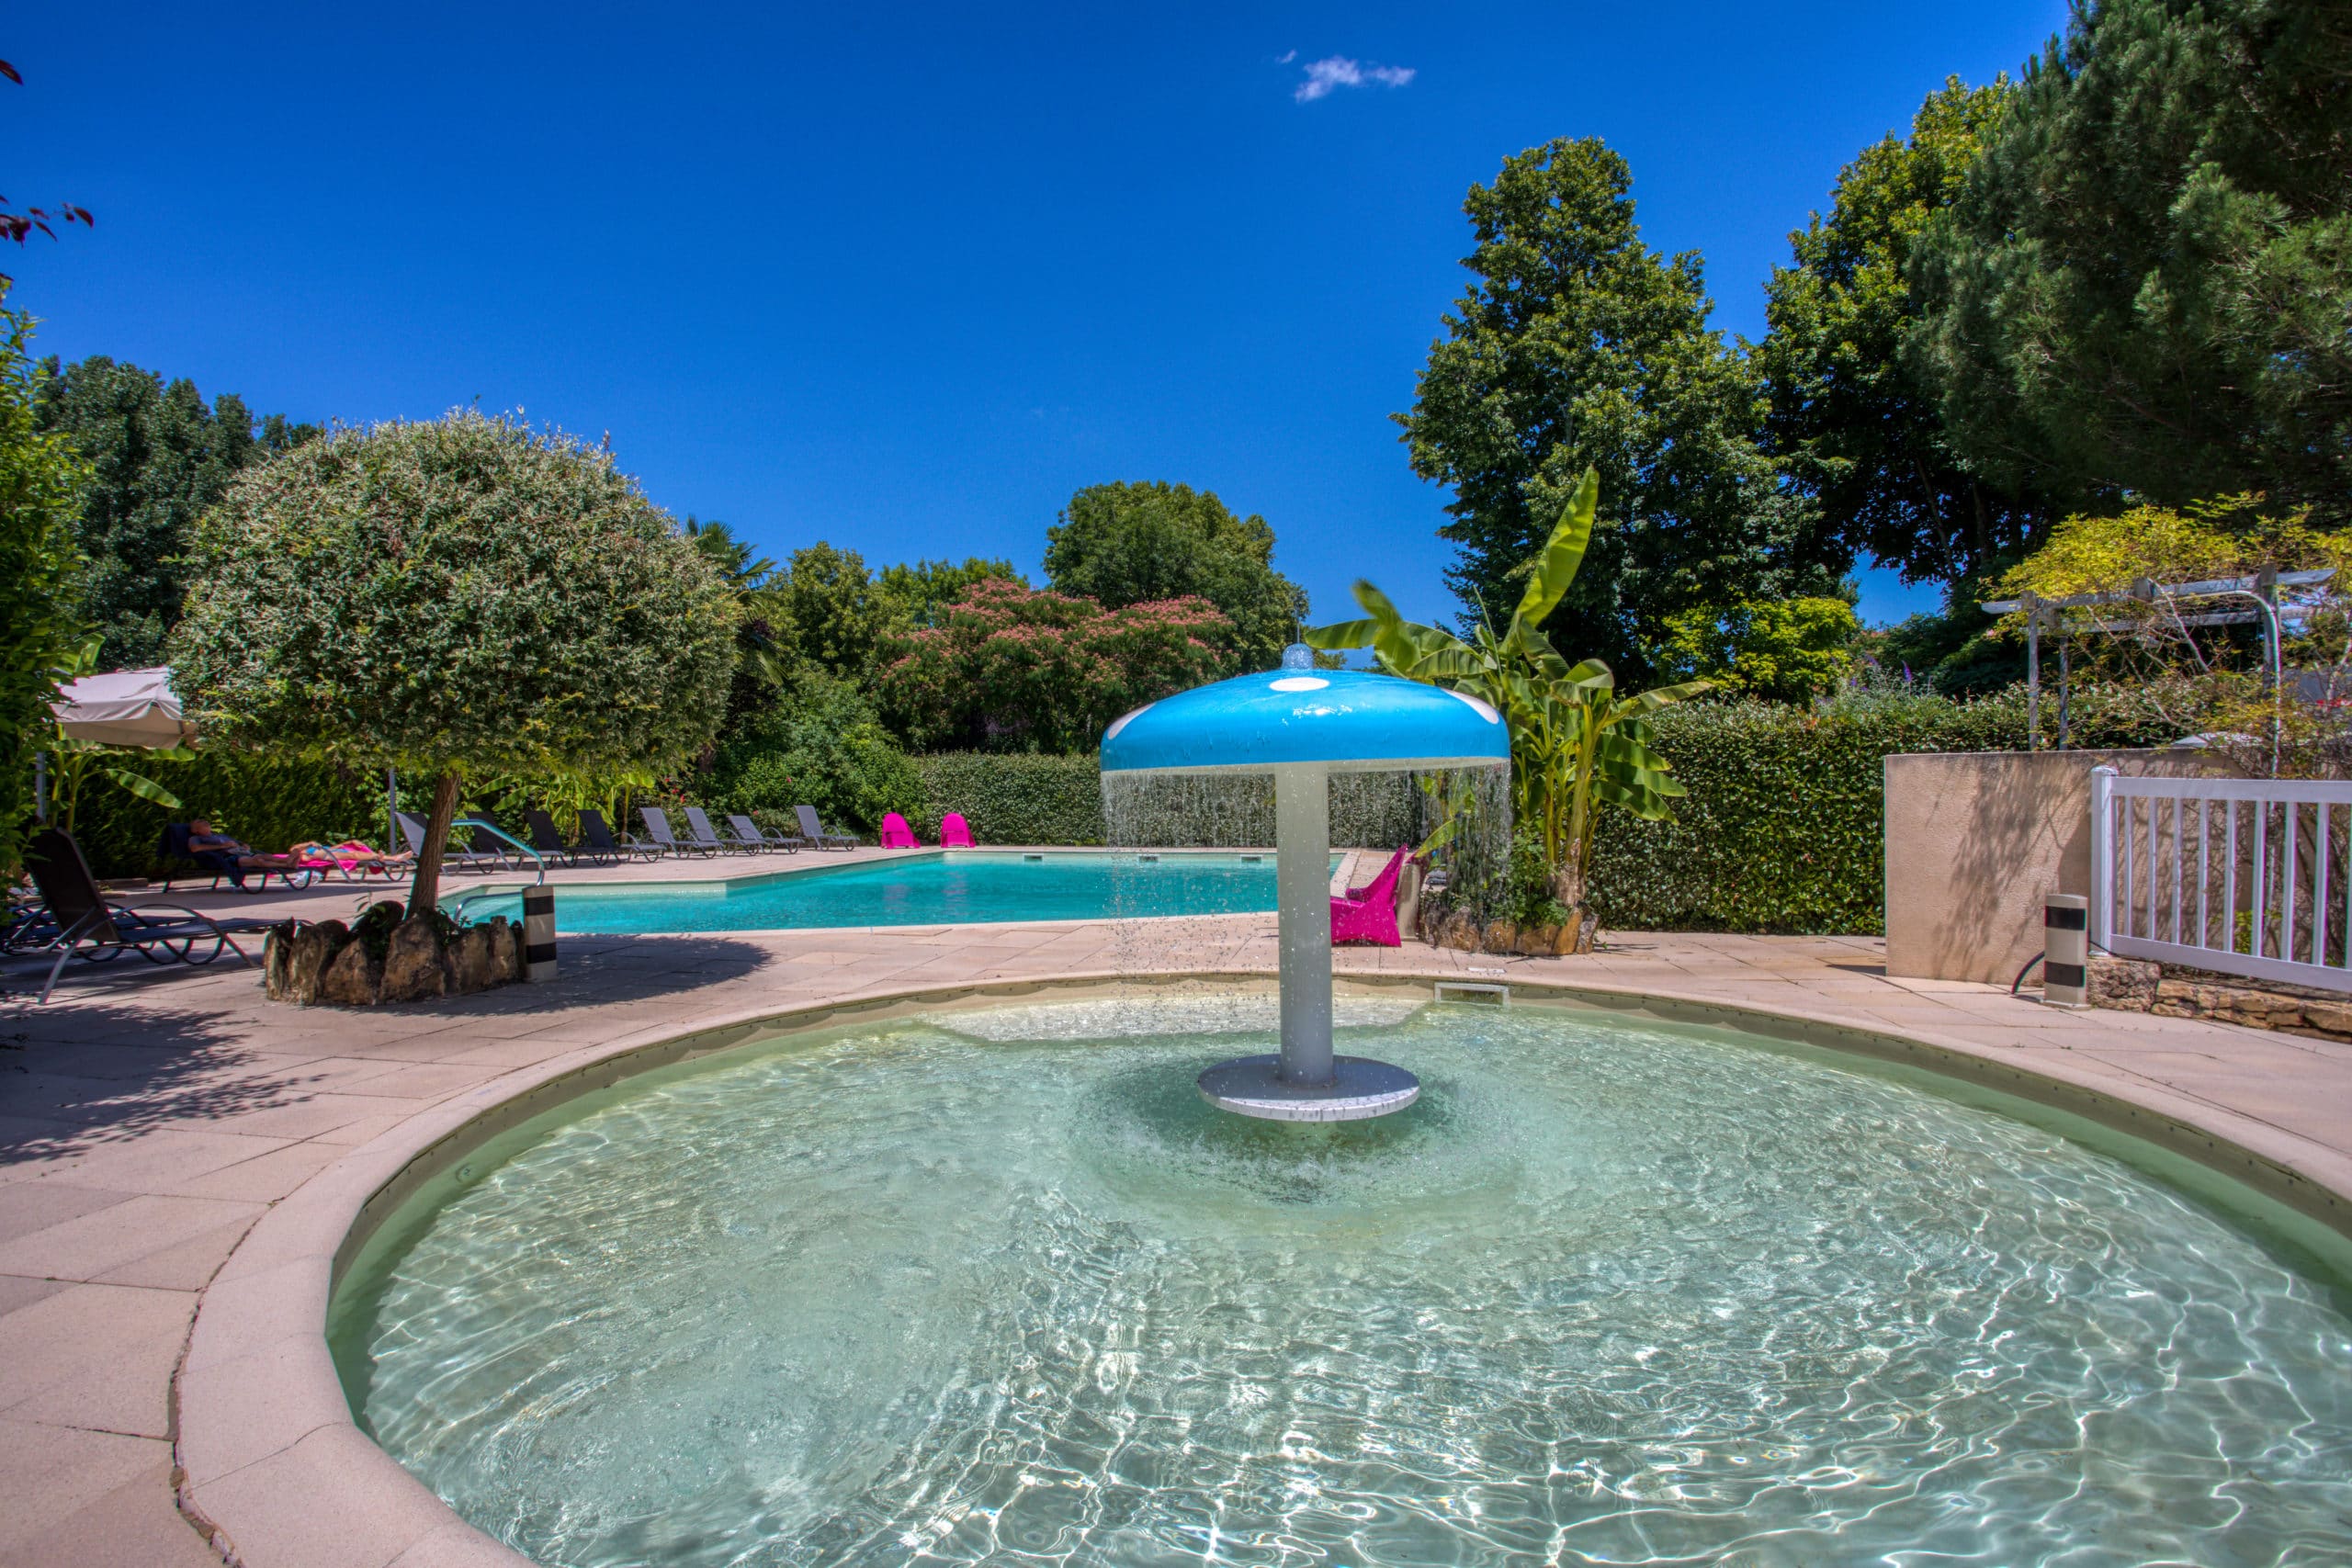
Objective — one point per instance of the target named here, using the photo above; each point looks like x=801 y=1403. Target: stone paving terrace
x=150 y=1118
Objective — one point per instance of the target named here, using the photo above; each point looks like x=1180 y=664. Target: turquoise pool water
x=958 y=887
x=996 y=1287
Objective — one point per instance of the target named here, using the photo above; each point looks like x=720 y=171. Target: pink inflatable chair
x=1370 y=914
x=896 y=834
x=954 y=833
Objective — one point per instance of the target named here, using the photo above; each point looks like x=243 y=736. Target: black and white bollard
x=538 y=933
x=2065 y=950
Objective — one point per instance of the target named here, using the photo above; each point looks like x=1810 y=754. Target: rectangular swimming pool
x=952 y=888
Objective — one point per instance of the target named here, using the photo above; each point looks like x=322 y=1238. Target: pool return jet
x=1302 y=725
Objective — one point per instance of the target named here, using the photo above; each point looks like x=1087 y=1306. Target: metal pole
x=2065 y=689
x=2032 y=604
x=40 y=786
x=391 y=809
x=1302 y=891
x=2102 y=855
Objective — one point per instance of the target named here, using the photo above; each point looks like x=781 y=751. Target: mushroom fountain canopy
x=1337 y=720
x=1302 y=725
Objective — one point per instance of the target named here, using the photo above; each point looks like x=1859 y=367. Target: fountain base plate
x=1359 y=1088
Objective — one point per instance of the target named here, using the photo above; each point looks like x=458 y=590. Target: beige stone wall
x=1974 y=838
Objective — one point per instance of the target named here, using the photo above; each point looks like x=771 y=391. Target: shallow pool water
x=952 y=888
x=996 y=1287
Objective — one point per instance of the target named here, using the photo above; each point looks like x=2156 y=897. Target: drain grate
x=1472 y=991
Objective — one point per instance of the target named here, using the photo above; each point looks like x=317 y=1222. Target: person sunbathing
x=204 y=840
x=350 y=855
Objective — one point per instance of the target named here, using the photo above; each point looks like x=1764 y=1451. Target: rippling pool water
x=998 y=1288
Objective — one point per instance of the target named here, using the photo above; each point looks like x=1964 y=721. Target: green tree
x=831 y=613
x=1136 y=544
x=919 y=596
x=1786 y=651
x=460 y=596
x=2146 y=285
x=158 y=457
x=1578 y=346
x=825 y=748
x=1847 y=419
x=40 y=482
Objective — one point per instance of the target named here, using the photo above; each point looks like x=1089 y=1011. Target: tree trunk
x=426 y=889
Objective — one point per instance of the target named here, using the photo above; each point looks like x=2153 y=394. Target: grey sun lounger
x=703 y=834
x=596 y=839
x=85 y=926
x=749 y=832
x=812 y=832
x=657 y=828
x=549 y=842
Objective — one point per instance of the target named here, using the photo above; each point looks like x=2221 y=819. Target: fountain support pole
x=1300 y=723
x=1303 y=896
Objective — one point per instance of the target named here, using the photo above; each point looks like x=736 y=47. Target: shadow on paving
x=131 y=1070
x=95 y=1069
x=593 y=969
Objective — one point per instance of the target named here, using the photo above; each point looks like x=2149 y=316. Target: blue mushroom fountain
x=1302 y=725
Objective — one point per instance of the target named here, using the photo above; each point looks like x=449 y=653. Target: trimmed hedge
x=1784 y=827
x=267 y=804
x=1014 y=798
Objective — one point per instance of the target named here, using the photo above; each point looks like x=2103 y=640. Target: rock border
x=330 y=963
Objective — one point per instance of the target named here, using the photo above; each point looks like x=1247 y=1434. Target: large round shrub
x=461 y=595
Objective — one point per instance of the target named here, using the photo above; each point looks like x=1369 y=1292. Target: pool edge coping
x=264 y=1444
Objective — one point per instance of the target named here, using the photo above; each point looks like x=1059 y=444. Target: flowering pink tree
x=1033 y=670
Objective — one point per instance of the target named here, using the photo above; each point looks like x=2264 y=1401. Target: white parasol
x=123 y=707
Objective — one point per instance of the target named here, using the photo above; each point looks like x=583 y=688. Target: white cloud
x=1333 y=71
x=1287 y=58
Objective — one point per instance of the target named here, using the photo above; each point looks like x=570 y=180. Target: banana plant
x=1575 y=746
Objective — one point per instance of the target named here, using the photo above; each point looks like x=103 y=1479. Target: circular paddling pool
x=997 y=1287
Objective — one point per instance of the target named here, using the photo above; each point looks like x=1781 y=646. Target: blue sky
x=904 y=279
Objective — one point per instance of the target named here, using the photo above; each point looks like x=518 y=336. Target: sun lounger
x=84 y=925
x=748 y=831
x=954 y=833
x=597 y=838
x=701 y=834
x=896 y=834
x=657 y=828
x=1369 y=914
x=814 y=833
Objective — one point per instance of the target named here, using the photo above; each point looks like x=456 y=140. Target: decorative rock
x=353 y=979
x=1501 y=937
x=1462 y=933
x=1539 y=941
x=2128 y=984
x=277 y=947
x=473 y=961
x=505 y=950
x=305 y=959
x=1581 y=932
x=2329 y=1018
x=414 y=969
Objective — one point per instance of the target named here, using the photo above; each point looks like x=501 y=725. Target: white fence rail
x=2245 y=877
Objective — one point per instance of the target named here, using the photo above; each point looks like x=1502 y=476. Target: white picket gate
x=2243 y=877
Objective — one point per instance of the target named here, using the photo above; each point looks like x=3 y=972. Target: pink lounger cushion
x=1371 y=915
x=896 y=834
x=955 y=832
